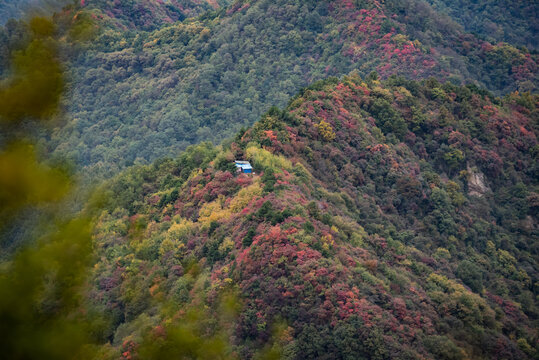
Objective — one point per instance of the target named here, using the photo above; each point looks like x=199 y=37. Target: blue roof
x=244 y=165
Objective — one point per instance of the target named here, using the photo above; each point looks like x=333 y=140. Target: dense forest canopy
x=139 y=95
x=147 y=14
x=510 y=21
x=387 y=216
x=392 y=214
x=14 y=9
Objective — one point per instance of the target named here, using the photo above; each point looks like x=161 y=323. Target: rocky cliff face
x=476 y=183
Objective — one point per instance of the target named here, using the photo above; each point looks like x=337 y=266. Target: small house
x=244 y=167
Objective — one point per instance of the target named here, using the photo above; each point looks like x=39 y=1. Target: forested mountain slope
x=386 y=220
x=149 y=14
x=511 y=21
x=146 y=14
x=10 y=9
x=137 y=95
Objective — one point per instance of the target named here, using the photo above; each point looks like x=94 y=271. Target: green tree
x=471 y=275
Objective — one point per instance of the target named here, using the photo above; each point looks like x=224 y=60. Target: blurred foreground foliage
x=192 y=334
x=36 y=81
x=40 y=307
x=44 y=307
x=24 y=181
x=41 y=312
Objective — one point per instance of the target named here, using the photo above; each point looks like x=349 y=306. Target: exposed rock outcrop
x=476 y=183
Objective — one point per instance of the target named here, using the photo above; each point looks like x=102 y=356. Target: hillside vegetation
x=386 y=220
x=514 y=22
x=14 y=9
x=144 y=15
x=139 y=95
x=393 y=212
x=148 y=14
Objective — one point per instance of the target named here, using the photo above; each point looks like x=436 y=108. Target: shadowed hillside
x=514 y=22
x=139 y=95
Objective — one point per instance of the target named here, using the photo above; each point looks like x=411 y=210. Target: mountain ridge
x=345 y=231
x=196 y=80
x=392 y=214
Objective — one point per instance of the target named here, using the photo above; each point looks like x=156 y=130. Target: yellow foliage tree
x=265 y=159
x=244 y=196
x=466 y=305
x=326 y=131
x=213 y=211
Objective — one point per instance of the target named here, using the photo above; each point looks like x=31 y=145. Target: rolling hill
x=144 y=88
x=386 y=220
x=392 y=213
